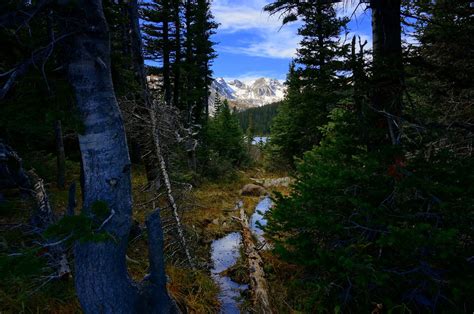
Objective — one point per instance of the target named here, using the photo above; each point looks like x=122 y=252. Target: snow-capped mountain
x=242 y=95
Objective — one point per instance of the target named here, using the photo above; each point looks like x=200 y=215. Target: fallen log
x=258 y=283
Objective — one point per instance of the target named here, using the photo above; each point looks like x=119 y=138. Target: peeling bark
x=43 y=216
x=258 y=283
x=42 y=219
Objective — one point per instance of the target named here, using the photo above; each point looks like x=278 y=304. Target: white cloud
x=269 y=40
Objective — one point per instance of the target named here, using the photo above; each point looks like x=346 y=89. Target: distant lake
x=259 y=140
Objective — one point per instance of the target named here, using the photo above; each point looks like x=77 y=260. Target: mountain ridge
x=250 y=94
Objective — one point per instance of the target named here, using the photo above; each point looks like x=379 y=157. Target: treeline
x=258 y=119
x=380 y=217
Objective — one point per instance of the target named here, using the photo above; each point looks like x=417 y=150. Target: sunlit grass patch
x=194 y=291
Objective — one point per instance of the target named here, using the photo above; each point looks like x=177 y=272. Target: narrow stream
x=257 y=221
x=224 y=254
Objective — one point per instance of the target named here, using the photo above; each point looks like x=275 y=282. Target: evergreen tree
x=225 y=135
x=158 y=40
x=442 y=65
x=261 y=117
x=250 y=133
x=200 y=26
x=222 y=147
x=315 y=84
x=372 y=219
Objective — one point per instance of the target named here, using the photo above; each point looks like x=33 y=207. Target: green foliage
x=367 y=229
x=100 y=209
x=27 y=264
x=260 y=117
x=81 y=227
x=315 y=85
x=223 y=143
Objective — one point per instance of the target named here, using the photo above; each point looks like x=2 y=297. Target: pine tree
x=250 y=133
x=314 y=83
x=200 y=26
x=159 y=43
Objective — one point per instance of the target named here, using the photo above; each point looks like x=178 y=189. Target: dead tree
x=150 y=133
x=258 y=283
x=169 y=191
x=42 y=218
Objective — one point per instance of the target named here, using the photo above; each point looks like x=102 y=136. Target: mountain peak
x=255 y=93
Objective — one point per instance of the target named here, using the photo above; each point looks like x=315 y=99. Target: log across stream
x=224 y=254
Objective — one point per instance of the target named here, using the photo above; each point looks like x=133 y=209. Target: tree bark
x=102 y=281
x=167 y=182
x=177 y=59
x=258 y=283
x=60 y=155
x=388 y=64
x=166 y=53
x=42 y=219
x=150 y=159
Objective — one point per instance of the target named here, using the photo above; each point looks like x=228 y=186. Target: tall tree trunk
x=189 y=61
x=136 y=43
x=60 y=155
x=150 y=159
x=102 y=281
x=166 y=53
x=388 y=65
x=177 y=59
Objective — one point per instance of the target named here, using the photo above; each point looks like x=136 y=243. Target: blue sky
x=252 y=44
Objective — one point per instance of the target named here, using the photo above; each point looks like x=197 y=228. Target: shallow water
x=259 y=140
x=226 y=251
x=257 y=220
x=224 y=254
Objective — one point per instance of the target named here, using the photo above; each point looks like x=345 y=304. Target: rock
x=252 y=190
x=268 y=183
x=216 y=221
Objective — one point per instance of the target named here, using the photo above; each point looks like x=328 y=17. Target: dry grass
x=193 y=290
x=210 y=216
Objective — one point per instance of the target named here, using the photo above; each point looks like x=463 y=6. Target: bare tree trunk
x=149 y=159
x=177 y=59
x=189 y=59
x=166 y=54
x=388 y=65
x=60 y=155
x=42 y=219
x=167 y=182
x=102 y=281
x=43 y=216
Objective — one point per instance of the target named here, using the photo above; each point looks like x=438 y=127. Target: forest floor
x=207 y=216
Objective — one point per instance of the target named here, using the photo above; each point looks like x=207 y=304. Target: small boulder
x=252 y=190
